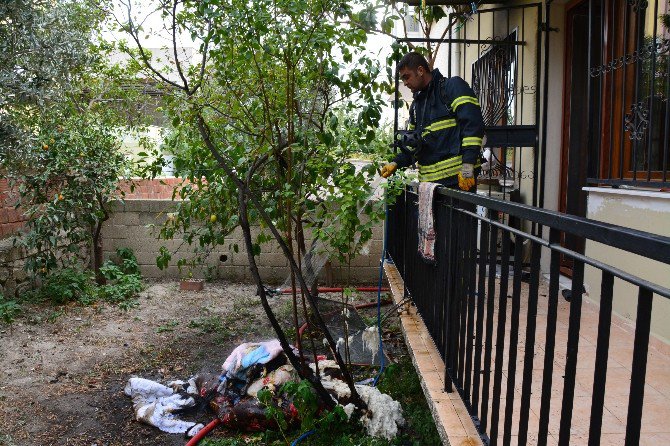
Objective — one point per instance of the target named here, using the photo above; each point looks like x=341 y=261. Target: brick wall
x=151 y=189
x=11 y=220
x=131 y=226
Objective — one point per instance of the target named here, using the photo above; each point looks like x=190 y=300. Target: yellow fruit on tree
x=60 y=196
x=45 y=146
x=212 y=218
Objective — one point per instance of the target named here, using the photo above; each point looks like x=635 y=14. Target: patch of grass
x=123 y=280
x=285 y=311
x=128 y=304
x=209 y=324
x=212 y=325
x=54 y=315
x=170 y=326
x=401 y=382
x=242 y=309
x=6 y=440
x=73 y=284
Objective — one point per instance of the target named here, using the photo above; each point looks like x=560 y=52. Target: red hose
x=366 y=289
x=203 y=432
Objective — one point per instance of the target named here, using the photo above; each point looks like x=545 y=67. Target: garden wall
x=11 y=220
x=131 y=226
x=13 y=278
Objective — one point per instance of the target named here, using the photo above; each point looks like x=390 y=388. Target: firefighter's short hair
x=413 y=61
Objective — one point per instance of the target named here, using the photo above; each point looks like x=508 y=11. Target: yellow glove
x=388 y=169
x=466 y=177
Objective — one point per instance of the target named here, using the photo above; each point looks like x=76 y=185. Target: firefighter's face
x=414 y=79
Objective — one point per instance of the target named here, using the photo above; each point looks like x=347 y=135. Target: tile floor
x=656 y=410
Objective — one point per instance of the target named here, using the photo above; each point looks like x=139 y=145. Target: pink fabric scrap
x=250 y=353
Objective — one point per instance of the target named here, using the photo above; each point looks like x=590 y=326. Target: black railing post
x=602 y=350
x=571 y=355
x=469 y=283
x=550 y=342
x=513 y=343
x=639 y=367
x=529 y=350
x=500 y=335
x=449 y=349
x=481 y=299
x=490 y=307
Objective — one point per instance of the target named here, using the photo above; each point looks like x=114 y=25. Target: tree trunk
x=97 y=241
x=303 y=370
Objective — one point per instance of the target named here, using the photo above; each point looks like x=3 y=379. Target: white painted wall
x=644 y=211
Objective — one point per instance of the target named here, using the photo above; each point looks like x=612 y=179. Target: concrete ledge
x=451 y=417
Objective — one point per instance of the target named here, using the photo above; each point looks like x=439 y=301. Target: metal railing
x=463 y=300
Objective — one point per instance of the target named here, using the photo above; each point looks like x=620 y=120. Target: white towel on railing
x=426 y=221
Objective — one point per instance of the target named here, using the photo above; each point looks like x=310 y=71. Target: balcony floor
x=456 y=426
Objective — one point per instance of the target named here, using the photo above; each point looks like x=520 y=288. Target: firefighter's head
x=414 y=71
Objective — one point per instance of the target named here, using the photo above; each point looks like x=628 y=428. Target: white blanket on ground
x=155 y=403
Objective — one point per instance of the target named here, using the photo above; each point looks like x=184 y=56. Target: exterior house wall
x=644 y=211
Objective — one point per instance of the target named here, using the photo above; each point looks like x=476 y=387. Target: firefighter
x=446 y=127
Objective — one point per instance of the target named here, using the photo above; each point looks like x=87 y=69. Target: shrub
x=74 y=285
x=68 y=285
x=9 y=309
x=123 y=279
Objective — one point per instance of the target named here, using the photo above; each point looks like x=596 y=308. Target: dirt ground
x=63 y=370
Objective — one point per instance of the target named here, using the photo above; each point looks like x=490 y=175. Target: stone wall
x=135 y=224
x=13 y=278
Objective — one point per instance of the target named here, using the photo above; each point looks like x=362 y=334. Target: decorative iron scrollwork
x=636 y=121
x=655 y=48
x=493 y=79
x=638 y=4
x=496 y=42
x=526 y=89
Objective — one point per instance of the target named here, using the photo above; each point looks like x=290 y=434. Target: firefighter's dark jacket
x=451 y=126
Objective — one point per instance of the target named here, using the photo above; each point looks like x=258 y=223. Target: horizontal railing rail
x=485 y=250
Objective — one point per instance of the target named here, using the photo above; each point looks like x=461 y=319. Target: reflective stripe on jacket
x=451 y=127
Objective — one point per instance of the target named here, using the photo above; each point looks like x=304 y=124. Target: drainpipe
x=453 y=69
x=545 y=102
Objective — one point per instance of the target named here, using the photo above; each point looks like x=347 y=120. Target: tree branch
x=174 y=46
